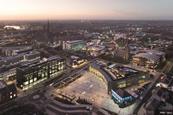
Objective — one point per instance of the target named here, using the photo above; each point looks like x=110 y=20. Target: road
x=147 y=93
x=70 y=73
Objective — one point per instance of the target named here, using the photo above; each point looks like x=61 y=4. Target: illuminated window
x=31 y=80
x=143 y=77
x=122 y=84
x=35 y=79
x=25 y=83
x=11 y=96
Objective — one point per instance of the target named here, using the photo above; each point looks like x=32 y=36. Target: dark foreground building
x=30 y=74
x=7 y=92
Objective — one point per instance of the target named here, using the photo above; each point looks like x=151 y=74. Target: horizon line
x=85 y=20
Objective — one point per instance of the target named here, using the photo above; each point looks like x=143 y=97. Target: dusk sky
x=86 y=9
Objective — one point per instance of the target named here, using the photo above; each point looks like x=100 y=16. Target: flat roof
x=19 y=55
x=119 y=71
x=153 y=55
x=112 y=76
x=100 y=68
x=74 y=57
x=17 y=47
x=122 y=93
x=75 y=41
x=156 y=52
x=149 y=56
x=36 y=62
x=96 y=47
x=2 y=84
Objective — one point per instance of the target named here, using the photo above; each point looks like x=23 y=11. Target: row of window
x=43 y=72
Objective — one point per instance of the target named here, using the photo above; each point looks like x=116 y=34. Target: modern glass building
x=75 y=45
x=30 y=74
x=121 y=97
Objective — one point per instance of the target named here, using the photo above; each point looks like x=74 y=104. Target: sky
x=86 y=9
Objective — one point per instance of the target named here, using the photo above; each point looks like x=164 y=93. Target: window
x=35 y=79
x=122 y=84
x=11 y=96
x=31 y=80
x=26 y=83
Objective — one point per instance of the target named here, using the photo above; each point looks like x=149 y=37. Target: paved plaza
x=93 y=89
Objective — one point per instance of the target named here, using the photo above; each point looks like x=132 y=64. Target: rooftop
x=148 y=56
x=96 y=47
x=122 y=93
x=34 y=63
x=119 y=72
x=75 y=41
x=100 y=68
x=17 y=47
x=19 y=55
x=152 y=55
x=2 y=84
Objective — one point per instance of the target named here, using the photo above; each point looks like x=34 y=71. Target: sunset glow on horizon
x=85 y=9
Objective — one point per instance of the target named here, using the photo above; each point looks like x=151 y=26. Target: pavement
x=93 y=89
x=86 y=86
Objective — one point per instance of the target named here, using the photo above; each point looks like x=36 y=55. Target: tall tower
x=48 y=33
x=48 y=27
x=127 y=51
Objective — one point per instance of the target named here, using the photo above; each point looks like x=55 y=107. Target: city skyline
x=86 y=57
x=88 y=9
